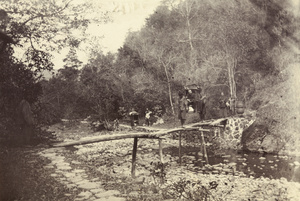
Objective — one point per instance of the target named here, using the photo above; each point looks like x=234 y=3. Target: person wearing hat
x=223 y=106
x=133 y=117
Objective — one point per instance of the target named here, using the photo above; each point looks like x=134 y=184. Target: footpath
x=91 y=189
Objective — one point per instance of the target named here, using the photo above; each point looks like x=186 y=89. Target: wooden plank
x=134 y=150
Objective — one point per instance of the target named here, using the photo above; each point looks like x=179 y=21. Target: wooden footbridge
x=158 y=134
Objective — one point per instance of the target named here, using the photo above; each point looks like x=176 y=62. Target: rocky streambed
x=242 y=162
x=102 y=171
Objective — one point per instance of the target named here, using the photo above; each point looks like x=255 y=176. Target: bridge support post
x=179 y=149
x=134 y=157
x=204 y=147
x=160 y=151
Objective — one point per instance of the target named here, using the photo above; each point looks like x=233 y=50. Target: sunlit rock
x=296 y=163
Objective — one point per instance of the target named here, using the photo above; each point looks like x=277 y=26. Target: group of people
x=197 y=103
x=196 y=100
x=134 y=117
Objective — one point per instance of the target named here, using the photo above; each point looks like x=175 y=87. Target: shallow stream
x=241 y=163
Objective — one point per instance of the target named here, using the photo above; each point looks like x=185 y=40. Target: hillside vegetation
x=245 y=50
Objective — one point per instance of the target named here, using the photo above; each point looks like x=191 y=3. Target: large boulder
x=257 y=138
x=253 y=136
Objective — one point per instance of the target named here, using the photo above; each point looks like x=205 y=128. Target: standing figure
x=202 y=108
x=25 y=120
x=147 y=117
x=116 y=124
x=133 y=118
x=183 y=108
x=223 y=106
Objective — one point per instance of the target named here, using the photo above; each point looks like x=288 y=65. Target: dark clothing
x=222 y=103
x=134 y=118
x=202 y=109
x=223 y=112
x=223 y=108
x=182 y=114
x=183 y=104
x=183 y=108
x=131 y=121
x=197 y=102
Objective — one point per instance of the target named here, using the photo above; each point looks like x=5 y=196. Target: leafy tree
x=17 y=82
x=100 y=87
x=63 y=90
x=38 y=28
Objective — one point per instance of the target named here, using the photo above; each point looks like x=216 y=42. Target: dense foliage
x=35 y=30
x=221 y=47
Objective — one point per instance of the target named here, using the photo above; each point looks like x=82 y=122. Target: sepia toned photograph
x=149 y=100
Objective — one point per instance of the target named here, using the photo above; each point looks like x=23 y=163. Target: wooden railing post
x=134 y=157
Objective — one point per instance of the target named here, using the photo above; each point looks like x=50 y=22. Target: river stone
x=253 y=136
x=85 y=194
x=78 y=171
x=232 y=164
x=218 y=168
x=107 y=194
x=76 y=179
x=48 y=166
x=63 y=166
x=97 y=190
x=227 y=170
x=88 y=185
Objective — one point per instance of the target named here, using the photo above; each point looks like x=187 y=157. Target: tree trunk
x=189 y=33
x=169 y=89
x=231 y=65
